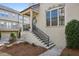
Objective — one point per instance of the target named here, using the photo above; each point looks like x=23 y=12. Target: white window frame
x=57 y=15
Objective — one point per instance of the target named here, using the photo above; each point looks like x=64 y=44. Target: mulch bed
x=70 y=52
x=23 y=49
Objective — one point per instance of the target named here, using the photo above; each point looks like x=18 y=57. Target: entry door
x=34 y=21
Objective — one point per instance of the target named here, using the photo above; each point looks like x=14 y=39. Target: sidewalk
x=4 y=54
x=52 y=52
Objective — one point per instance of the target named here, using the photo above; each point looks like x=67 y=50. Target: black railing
x=39 y=33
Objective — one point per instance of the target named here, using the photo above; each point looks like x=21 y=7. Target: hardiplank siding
x=57 y=33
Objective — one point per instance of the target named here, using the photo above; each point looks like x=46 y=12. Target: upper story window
x=5 y=13
x=55 y=17
x=13 y=15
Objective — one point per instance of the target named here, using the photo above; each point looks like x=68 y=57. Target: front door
x=34 y=21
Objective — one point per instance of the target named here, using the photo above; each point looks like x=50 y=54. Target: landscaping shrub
x=72 y=34
x=12 y=37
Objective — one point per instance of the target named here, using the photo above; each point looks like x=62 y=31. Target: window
x=8 y=14
x=13 y=15
x=61 y=16
x=3 y=24
x=55 y=17
x=3 y=13
x=9 y=24
x=48 y=18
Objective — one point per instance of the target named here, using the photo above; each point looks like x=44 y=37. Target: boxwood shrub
x=12 y=37
x=72 y=34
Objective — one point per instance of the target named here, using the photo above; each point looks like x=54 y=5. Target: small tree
x=72 y=34
x=12 y=37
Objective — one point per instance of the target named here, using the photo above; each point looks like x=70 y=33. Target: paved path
x=52 y=52
x=4 y=54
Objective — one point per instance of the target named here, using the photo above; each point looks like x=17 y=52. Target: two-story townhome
x=10 y=21
x=48 y=21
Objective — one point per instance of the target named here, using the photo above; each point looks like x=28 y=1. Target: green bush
x=12 y=37
x=72 y=34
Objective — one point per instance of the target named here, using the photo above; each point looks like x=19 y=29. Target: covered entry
x=32 y=12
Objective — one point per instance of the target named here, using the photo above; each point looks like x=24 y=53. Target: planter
x=70 y=52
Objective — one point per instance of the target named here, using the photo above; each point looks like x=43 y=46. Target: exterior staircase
x=45 y=42
x=33 y=39
x=42 y=37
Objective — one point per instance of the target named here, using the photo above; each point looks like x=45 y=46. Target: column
x=22 y=22
x=31 y=15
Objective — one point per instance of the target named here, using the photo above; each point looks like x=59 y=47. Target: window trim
x=57 y=16
x=55 y=8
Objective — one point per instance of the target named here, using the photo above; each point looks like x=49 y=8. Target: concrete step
x=32 y=38
x=50 y=46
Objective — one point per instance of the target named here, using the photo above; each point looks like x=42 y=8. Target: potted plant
x=12 y=37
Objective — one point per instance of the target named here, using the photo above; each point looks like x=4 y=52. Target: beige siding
x=71 y=12
x=57 y=33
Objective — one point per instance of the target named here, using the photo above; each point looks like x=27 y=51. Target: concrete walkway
x=4 y=54
x=52 y=52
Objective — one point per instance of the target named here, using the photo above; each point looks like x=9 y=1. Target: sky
x=16 y=6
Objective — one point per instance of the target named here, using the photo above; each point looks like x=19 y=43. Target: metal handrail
x=41 y=34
